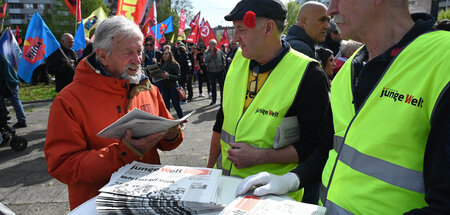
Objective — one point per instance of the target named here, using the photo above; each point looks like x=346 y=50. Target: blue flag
x=39 y=44
x=79 y=41
x=163 y=28
x=9 y=49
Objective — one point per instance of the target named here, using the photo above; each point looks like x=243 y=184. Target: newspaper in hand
x=287 y=133
x=269 y=205
x=141 y=124
x=155 y=73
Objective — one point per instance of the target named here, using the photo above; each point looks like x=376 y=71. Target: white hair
x=348 y=47
x=115 y=27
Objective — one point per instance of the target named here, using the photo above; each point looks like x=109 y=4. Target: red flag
x=74 y=8
x=150 y=22
x=224 y=40
x=3 y=10
x=182 y=22
x=207 y=34
x=193 y=37
x=133 y=10
x=17 y=35
x=194 y=21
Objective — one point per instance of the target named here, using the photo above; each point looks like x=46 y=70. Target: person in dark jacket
x=10 y=89
x=61 y=63
x=172 y=74
x=333 y=39
x=185 y=60
x=310 y=28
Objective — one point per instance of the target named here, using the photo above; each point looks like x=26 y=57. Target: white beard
x=133 y=79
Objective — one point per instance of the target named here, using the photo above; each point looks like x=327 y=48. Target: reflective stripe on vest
x=257 y=125
x=376 y=165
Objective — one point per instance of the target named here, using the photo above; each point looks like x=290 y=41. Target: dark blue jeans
x=213 y=76
x=170 y=94
x=15 y=101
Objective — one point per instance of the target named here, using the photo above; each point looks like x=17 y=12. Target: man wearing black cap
x=267 y=82
x=310 y=29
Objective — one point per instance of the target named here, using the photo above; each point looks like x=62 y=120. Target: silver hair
x=115 y=27
x=348 y=47
x=65 y=36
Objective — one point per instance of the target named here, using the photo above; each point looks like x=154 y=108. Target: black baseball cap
x=272 y=9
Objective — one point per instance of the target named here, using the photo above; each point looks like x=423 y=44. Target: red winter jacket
x=74 y=153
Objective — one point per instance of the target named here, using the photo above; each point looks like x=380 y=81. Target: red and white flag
x=225 y=40
x=207 y=34
x=194 y=21
x=182 y=23
x=150 y=22
x=193 y=37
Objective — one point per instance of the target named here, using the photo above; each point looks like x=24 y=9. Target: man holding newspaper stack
x=107 y=84
x=268 y=82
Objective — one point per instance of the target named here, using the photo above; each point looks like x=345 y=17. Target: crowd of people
x=370 y=90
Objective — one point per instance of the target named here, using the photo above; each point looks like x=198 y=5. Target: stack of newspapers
x=140 y=188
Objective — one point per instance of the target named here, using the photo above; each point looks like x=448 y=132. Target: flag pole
x=76 y=17
x=1 y=29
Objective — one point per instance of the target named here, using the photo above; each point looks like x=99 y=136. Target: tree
x=167 y=8
x=444 y=14
x=293 y=8
x=60 y=20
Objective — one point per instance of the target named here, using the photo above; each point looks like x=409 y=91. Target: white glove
x=270 y=184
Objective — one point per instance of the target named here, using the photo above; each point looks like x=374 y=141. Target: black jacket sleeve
x=436 y=167
x=57 y=63
x=313 y=112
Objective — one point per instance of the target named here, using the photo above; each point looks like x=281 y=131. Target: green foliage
x=444 y=14
x=167 y=8
x=293 y=7
x=60 y=20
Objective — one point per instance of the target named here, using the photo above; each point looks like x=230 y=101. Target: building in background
x=21 y=11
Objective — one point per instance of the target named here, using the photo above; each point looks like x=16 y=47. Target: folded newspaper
x=141 y=124
x=140 y=188
x=287 y=133
x=155 y=73
x=269 y=205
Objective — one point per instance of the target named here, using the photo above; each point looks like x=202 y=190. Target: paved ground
x=27 y=188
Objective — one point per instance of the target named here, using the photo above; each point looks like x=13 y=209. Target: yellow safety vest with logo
x=376 y=165
x=258 y=124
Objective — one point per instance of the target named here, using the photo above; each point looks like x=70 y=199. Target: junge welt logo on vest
x=396 y=96
x=266 y=112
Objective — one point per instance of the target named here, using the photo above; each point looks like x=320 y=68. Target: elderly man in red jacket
x=107 y=84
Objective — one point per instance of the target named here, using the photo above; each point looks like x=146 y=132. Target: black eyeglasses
x=148 y=44
x=253 y=87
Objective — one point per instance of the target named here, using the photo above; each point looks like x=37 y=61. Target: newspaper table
x=140 y=188
x=269 y=205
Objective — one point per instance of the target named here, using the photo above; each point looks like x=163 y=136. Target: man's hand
x=144 y=144
x=269 y=184
x=244 y=155
x=154 y=60
x=172 y=133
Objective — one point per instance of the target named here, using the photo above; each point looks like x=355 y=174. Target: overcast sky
x=215 y=10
